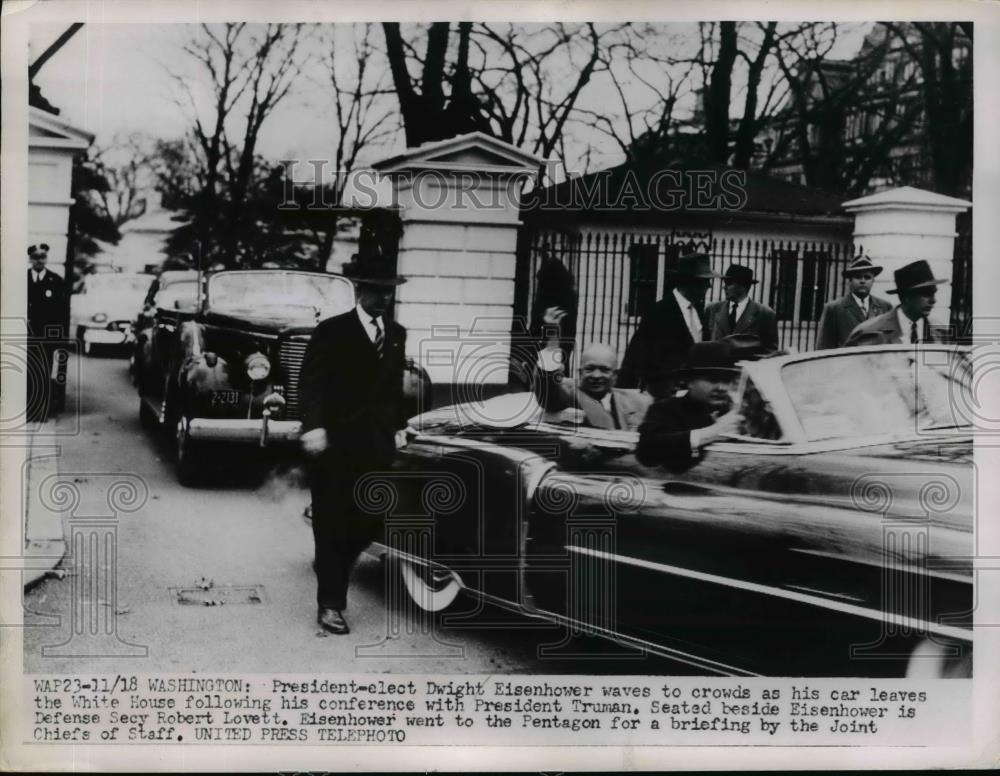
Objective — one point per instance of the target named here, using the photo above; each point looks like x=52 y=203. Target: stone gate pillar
x=898 y=226
x=459 y=201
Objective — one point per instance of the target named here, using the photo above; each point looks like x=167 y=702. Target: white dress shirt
x=864 y=304
x=904 y=327
x=690 y=313
x=366 y=321
x=36 y=275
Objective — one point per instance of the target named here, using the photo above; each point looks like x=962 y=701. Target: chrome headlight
x=99 y=317
x=258 y=367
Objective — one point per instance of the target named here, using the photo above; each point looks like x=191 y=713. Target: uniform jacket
x=46 y=302
x=356 y=396
x=758 y=320
x=556 y=393
x=841 y=316
x=665 y=435
x=884 y=330
x=658 y=347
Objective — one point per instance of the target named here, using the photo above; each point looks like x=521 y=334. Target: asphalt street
x=243 y=527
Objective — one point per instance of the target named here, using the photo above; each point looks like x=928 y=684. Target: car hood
x=273 y=321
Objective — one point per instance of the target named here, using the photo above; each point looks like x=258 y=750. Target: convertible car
x=225 y=370
x=832 y=537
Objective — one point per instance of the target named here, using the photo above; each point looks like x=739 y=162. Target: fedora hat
x=915 y=275
x=861 y=265
x=694 y=265
x=739 y=274
x=373 y=271
x=714 y=357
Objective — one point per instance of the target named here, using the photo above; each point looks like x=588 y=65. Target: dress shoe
x=333 y=621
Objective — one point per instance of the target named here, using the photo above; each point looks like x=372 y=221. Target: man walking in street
x=667 y=332
x=907 y=322
x=750 y=327
x=46 y=318
x=353 y=413
x=841 y=316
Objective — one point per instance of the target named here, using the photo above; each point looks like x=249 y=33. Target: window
x=782 y=299
x=644 y=261
x=814 y=284
x=758 y=419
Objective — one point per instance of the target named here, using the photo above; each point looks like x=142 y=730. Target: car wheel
x=187 y=453
x=432 y=588
x=935 y=660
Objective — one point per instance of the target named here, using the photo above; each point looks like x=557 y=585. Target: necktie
x=694 y=323
x=379 y=340
x=864 y=308
x=732 y=315
x=913 y=332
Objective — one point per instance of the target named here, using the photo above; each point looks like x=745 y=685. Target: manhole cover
x=219 y=595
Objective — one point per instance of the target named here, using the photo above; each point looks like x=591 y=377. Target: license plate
x=225 y=398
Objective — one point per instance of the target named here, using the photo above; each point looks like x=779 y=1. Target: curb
x=44 y=542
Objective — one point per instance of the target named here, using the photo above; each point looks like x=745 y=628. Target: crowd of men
x=674 y=386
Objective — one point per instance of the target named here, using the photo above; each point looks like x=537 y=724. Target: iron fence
x=618 y=276
x=961 y=283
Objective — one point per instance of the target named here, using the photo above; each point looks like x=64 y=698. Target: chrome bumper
x=263 y=431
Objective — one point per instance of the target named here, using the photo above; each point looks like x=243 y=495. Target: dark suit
x=841 y=316
x=757 y=327
x=358 y=399
x=658 y=347
x=46 y=303
x=665 y=435
x=629 y=406
x=46 y=317
x=884 y=330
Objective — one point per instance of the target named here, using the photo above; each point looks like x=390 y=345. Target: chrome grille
x=290 y=355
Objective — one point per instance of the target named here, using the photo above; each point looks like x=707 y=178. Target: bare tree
x=250 y=69
x=126 y=165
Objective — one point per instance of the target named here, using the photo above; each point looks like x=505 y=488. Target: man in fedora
x=667 y=332
x=353 y=413
x=841 y=316
x=46 y=318
x=750 y=327
x=907 y=322
x=677 y=430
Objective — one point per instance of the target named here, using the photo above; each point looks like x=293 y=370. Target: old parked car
x=102 y=310
x=170 y=290
x=832 y=536
x=226 y=369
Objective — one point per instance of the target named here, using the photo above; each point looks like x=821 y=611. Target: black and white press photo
x=554 y=377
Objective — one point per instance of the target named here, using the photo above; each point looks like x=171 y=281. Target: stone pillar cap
x=907 y=198
x=475 y=150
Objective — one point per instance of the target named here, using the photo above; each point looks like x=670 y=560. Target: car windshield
x=117 y=284
x=178 y=295
x=258 y=291
x=879 y=393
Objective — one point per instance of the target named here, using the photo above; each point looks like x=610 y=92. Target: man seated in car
x=677 y=429
x=592 y=399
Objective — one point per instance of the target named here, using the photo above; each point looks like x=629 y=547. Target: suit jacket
x=884 y=330
x=658 y=347
x=665 y=435
x=841 y=316
x=556 y=393
x=757 y=325
x=348 y=390
x=46 y=302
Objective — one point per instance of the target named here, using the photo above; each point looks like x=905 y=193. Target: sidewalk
x=45 y=544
